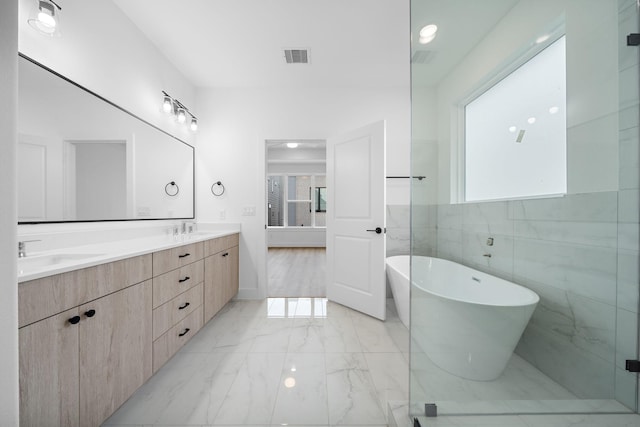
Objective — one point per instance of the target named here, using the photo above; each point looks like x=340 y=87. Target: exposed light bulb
x=292 y=144
x=45 y=20
x=167 y=104
x=182 y=115
x=194 y=124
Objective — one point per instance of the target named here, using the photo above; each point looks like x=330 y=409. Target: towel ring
x=170 y=191
x=217 y=192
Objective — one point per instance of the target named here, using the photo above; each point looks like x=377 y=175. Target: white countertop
x=75 y=258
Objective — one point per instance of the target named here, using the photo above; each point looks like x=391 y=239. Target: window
x=296 y=201
x=515 y=132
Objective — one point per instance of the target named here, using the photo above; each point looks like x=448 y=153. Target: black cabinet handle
x=90 y=313
x=225 y=254
x=184 y=256
x=184 y=280
x=182 y=307
x=185 y=332
x=74 y=320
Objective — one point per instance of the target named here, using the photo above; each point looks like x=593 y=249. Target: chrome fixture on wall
x=217 y=188
x=45 y=18
x=177 y=109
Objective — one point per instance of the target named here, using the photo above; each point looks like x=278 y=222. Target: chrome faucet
x=22 y=247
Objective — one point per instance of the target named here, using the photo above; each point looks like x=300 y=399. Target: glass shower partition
x=525 y=118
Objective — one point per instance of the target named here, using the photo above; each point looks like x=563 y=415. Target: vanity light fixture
x=182 y=115
x=176 y=109
x=428 y=33
x=292 y=144
x=45 y=18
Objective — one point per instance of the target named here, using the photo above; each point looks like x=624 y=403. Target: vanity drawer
x=41 y=298
x=170 y=313
x=220 y=244
x=171 y=259
x=171 y=341
x=173 y=283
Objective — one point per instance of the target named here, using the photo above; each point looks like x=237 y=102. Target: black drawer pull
x=184 y=280
x=184 y=256
x=225 y=254
x=182 y=307
x=74 y=320
x=90 y=313
x=185 y=332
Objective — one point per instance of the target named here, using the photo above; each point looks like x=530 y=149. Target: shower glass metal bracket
x=633 y=39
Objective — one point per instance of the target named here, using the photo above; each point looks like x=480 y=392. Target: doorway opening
x=295 y=185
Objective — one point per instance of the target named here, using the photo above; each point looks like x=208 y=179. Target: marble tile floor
x=296 y=272
x=293 y=361
x=399 y=418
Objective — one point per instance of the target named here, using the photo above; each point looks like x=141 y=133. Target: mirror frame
x=101 y=98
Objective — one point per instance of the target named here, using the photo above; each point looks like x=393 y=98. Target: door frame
x=261 y=210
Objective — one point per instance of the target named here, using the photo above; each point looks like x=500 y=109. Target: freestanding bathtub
x=467 y=322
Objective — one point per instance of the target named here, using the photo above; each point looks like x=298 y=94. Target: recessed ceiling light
x=292 y=144
x=428 y=33
x=554 y=110
x=531 y=120
x=543 y=38
x=512 y=129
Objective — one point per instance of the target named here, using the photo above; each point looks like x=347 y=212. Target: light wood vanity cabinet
x=77 y=367
x=177 y=299
x=221 y=273
x=90 y=337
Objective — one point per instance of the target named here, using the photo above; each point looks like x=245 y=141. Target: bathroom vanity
x=91 y=335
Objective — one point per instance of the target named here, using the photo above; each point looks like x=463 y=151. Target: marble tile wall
x=580 y=253
x=565 y=249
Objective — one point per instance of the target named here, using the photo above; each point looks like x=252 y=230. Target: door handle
x=377 y=230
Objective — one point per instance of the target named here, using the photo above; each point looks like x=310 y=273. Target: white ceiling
x=352 y=43
x=239 y=43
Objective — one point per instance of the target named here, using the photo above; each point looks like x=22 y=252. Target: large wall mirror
x=82 y=158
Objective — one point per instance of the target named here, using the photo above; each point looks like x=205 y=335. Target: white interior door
x=355 y=209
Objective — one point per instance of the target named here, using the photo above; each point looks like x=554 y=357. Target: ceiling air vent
x=296 y=56
x=422 y=56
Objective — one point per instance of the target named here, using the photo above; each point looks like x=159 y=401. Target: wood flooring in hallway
x=296 y=272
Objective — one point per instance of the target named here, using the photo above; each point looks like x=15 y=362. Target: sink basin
x=42 y=261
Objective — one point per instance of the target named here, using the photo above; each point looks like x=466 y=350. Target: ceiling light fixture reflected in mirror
x=428 y=33
x=45 y=18
x=292 y=144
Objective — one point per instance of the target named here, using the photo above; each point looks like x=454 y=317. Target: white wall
x=231 y=148
x=102 y=50
x=8 y=215
x=111 y=57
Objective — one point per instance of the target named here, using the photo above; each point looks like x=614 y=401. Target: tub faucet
x=22 y=247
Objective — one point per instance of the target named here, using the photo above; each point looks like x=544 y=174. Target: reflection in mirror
x=82 y=158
